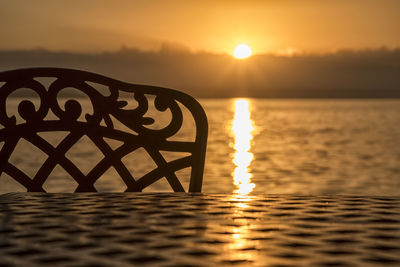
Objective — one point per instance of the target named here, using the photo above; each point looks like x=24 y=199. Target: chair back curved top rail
x=107 y=109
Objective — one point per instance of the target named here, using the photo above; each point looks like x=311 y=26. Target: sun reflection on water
x=242 y=127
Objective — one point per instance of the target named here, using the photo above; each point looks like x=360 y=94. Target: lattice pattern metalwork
x=179 y=229
x=98 y=126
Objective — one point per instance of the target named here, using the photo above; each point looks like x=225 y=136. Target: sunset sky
x=271 y=26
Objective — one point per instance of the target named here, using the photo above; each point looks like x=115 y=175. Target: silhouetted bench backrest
x=136 y=130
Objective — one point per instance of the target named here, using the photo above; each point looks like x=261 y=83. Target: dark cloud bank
x=366 y=73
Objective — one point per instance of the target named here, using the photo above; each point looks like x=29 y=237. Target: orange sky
x=215 y=26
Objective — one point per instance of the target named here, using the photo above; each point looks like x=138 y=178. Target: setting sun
x=242 y=51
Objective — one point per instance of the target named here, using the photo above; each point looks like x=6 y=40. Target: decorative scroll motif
x=152 y=140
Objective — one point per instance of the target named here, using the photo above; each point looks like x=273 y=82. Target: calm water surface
x=281 y=147
x=304 y=146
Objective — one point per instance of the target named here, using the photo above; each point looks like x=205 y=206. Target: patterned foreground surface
x=174 y=229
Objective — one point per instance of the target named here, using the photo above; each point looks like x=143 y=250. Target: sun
x=242 y=51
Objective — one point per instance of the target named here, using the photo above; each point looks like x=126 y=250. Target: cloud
x=364 y=73
x=174 y=47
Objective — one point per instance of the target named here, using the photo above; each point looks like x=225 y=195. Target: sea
x=272 y=146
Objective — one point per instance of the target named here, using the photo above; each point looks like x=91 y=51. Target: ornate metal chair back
x=136 y=130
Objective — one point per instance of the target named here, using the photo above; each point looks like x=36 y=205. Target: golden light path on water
x=242 y=127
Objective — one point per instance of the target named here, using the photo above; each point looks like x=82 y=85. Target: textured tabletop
x=177 y=229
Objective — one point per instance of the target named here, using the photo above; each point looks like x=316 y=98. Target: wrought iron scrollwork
x=104 y=108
